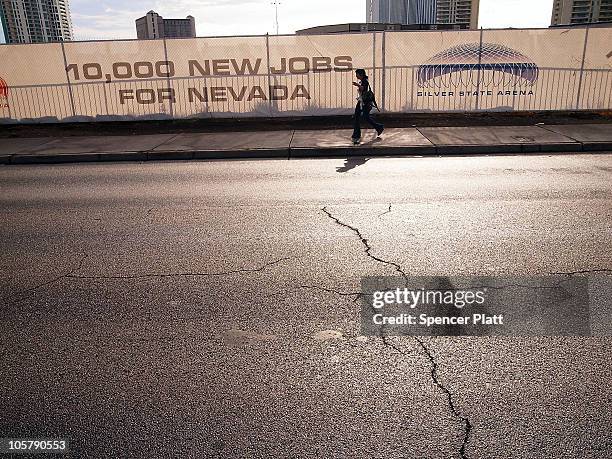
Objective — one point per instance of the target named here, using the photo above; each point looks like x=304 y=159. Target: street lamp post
x=276 y=3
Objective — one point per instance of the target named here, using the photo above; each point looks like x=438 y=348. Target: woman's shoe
x=380 y=132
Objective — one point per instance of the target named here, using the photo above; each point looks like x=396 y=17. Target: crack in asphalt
x=449 y=396
x=22 y=295
x=368 y=247
x=586 y=271
x=72 y=275
x=467 y=425
x=357 y=295
x=182 y=274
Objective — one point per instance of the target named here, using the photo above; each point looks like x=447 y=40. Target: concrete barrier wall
x=287 y=75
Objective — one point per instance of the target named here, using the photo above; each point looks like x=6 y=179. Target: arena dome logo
x=3 y=94
x=463 y=65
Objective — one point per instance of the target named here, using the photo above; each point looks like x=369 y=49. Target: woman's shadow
x=352 y=163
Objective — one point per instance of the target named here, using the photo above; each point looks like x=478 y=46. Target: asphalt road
x=210 y=309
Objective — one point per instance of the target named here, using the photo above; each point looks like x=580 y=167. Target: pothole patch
x=328 y=335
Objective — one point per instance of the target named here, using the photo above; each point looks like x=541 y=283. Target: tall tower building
x=401 y=11
x=35 y=21
x=462 y=12
x=152 y=26
x=581 y=11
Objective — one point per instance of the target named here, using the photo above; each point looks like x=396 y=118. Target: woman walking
x=366 y=102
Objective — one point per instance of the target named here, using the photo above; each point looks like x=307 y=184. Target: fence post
x=586 y=40
x=269 y=91
x=478 y=73
x=105 y=98
x=413 y=86
x=384 y=71
x=374 y=59
x=169 y=82
x=68 y=79
x=8 y=101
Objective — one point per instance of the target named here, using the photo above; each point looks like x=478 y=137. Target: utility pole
x=276 y=3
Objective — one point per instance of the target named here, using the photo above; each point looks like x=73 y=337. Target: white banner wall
x=116 y=78
x=33 y=82
x=539 y=70
x=296 y=75
x=596 y=86
x=431 y=71
x=221 y=77
x=318 y=71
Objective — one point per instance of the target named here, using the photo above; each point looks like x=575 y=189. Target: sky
x=106 y=19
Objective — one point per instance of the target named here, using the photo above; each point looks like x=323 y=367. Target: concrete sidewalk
x=319 y=143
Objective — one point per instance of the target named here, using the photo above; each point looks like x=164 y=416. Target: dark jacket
x=366 y=94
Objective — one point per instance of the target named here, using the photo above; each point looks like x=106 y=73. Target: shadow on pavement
x=352 y=163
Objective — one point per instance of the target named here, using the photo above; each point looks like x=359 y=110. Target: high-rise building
x=35 y=21
x=462 y=12
x=581 y=11
x=154 y=26
x=401 y=11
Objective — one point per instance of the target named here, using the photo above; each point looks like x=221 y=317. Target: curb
x=288 y=153
x=54 y=159
x=596 y=146
x=335 y=152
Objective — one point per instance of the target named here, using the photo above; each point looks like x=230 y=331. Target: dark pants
x=365 y=112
